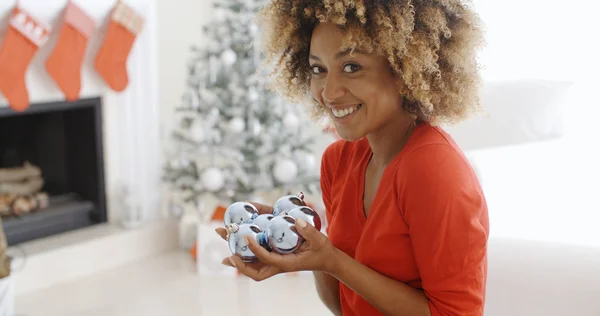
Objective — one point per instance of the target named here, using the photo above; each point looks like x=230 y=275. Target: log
x=14 y=204
x=22 y=187
x=20 y=173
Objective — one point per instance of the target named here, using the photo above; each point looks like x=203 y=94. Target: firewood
x=13 y=204
x=28 y=170
x=27 y=186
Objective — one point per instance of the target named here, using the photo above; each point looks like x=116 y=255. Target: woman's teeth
x=345 y=112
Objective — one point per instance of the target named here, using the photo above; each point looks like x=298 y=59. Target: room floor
x=168 y=285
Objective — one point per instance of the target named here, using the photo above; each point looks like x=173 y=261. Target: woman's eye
x=316 y=70
x=351 y=68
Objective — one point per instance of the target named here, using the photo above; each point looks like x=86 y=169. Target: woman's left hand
x=315 y=254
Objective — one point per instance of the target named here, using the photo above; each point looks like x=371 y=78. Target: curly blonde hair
x=431 y=46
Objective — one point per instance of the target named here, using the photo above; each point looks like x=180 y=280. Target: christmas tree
x=235 y=138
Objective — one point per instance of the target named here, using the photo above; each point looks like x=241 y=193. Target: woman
x=408 y=223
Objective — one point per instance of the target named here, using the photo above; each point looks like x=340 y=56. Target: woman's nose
x=333 y=90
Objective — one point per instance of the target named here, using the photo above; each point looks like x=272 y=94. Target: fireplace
x=61 y=143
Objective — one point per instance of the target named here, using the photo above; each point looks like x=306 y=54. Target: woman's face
x=359 y=91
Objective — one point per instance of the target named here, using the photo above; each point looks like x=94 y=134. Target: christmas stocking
x=111 y=61
x=64 y=65
x=23 y=38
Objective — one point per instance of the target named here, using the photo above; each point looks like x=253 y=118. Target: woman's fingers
x=222 y=232
x=281 y=262
x=262 y=209
x=248 y=270
x=227 y=262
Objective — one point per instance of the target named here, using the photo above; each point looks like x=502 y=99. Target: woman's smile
x=344 y=115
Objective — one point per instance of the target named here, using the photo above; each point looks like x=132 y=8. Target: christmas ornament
x=253 y=95
x=220 y=15
x=290 y=121
x=256 y=127
x=285 y=170
x=236 y=125
x=307 y=214
x=287 y=203
x=274 y=232
x=212 y=179
x=262 y=221
x=253 y=29
x=240 y=213
x=197 y=131
x=306 y=161
x=237 y=241
x=281 y=235
x=228 y=57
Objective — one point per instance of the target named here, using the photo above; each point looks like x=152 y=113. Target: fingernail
x=302 y=223
x=231 y=261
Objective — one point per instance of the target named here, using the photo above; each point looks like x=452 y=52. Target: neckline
x=364 y=162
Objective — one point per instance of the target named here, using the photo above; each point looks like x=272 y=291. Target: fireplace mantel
x=131 y=118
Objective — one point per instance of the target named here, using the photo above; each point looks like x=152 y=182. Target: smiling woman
x=358 y=89
x=408 y=222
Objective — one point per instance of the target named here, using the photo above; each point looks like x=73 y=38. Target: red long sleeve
x=446 y=215
x=427 y=227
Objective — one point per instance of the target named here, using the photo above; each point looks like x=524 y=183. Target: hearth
x=51 y=169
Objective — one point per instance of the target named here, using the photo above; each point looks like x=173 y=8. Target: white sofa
x=538 y=158
x=536 y=278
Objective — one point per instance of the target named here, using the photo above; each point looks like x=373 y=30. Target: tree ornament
x=236 y=125
x=212 y=179
x=220 y=15
x=287 y=203
x=237 y=241
x=197 y=131
x=306 y=161
x=281 y=235
x=240 y=213
x=253 y=95
x=285 y=170
x=275 y=233
x=253 y=29
x=307 y=214
x=262 y=221
x=228 y=57
x=256 y=127
x=290 y=121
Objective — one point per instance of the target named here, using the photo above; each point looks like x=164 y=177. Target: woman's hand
x=313 y=255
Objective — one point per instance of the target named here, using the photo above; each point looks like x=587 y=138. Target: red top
x=427 y=227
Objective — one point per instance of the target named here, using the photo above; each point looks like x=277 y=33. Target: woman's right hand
x=262 y=209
